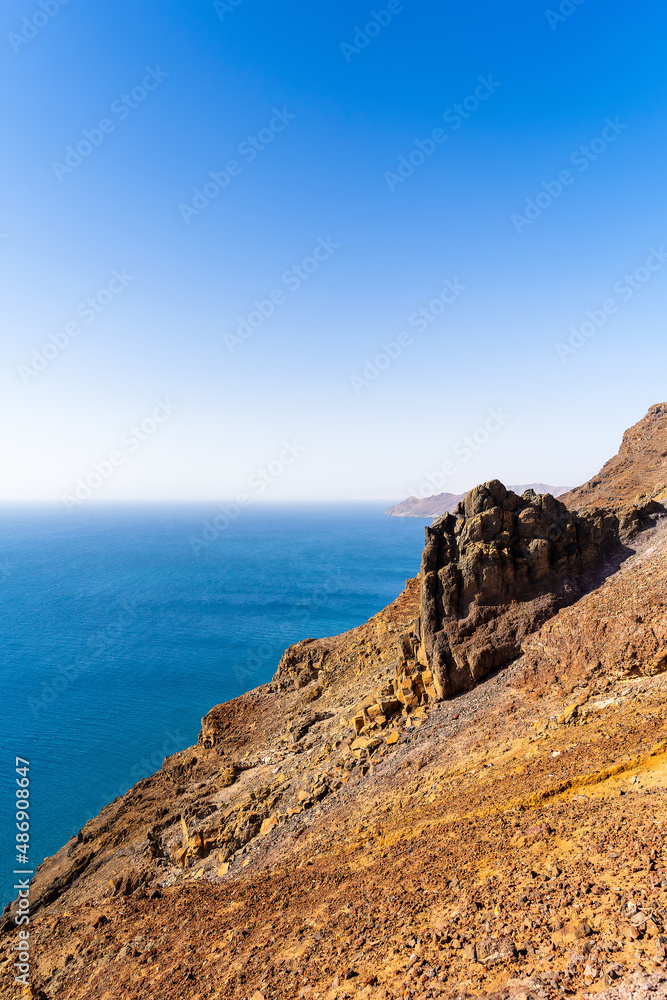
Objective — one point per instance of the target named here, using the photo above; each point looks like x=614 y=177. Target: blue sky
x=153 y=98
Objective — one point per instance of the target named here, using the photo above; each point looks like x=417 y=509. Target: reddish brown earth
x=508 y=842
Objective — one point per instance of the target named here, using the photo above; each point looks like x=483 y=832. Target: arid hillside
x=383 y=822
x=638 y=472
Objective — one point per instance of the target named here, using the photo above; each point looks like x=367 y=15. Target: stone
x=660 y=945
x=359 y=721
x=269 y=824
x=569 y=715
x=226 y=776
x=196 y=842
x=572 y=932
x=390 y=707
x=470 y=952
x=494 y=951
x=392 y=739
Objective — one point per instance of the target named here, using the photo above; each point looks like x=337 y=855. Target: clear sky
x=214 y=216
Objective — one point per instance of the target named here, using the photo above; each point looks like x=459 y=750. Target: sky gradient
x=304 y=251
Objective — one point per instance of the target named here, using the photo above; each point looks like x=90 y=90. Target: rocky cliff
x=350 y=831
x=496 y=570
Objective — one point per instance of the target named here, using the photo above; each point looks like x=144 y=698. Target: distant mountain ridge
x=446 y=503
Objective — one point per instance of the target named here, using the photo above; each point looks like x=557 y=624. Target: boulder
x=493 y=951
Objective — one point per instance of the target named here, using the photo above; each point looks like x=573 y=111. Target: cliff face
x=341 y=832
x=497 y=570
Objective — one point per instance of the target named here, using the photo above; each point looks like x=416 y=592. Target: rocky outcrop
x=495 y=571
x=446 y=503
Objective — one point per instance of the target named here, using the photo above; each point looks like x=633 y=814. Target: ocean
x=122 y=626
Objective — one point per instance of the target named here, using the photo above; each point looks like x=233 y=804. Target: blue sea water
x=119 y=630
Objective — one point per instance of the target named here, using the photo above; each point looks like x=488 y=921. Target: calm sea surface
x=121 y=626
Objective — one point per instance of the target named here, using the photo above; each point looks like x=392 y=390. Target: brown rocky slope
x=344 y=832
x=637 y=473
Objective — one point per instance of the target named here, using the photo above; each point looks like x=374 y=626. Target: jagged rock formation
x=446 y=503
x=497 y=570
